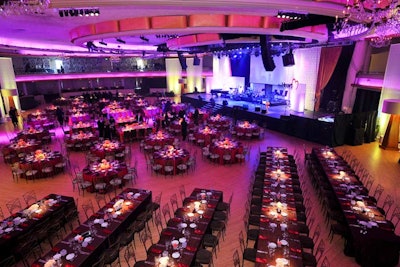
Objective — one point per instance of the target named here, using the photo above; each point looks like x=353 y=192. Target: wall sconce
x=391 y=138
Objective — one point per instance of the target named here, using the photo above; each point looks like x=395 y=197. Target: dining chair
x=111 y=254
x=14 y=205
x=225 y=206
x=169 y=167
x=88 y=208
x=130 y=255
x=29 y=197
x=310 y=259
x=166 y=212
x=100 y=185
x=236 y=258
x=158 y=222
x=99 y=262
x=116 y=183
x=9 y=261
x=378 y=192
x=16 y=172
x=101 y=200
x=145 y=238
x=387 y=204
x=182 y=192
x=30 y=174
x=248 y=254
x=203 y=256
x=174 y=201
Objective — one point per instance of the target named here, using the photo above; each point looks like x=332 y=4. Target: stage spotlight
x=81 y=13
x=102 y=42
x=61 y=13
x=144 y=38
x=120 y=41
x=65 y=13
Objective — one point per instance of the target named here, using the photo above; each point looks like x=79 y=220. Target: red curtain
x=327 y=63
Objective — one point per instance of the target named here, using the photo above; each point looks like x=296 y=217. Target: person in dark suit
x=113 y=129
x=196 y=116
x=14 y=116
x=60 y=116
x=139 y=117
x=100 y=127
x=184 y=129
x=107 y=129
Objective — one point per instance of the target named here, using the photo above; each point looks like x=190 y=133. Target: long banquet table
x=372 y=239
x=105 y=224
x=14 y=228
x=278 y=239
x=188 y=227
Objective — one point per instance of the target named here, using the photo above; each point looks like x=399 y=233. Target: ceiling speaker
x=268 y=61
x=288 y=59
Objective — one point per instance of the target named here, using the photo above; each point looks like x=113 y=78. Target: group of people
x=106 y=127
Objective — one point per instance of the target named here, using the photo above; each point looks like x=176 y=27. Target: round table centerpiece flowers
x=104 y=165
x=39 y=155
x=21 y=142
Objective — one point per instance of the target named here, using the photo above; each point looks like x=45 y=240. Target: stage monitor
x=288 y=59
x=182 y=61
x=266 y=55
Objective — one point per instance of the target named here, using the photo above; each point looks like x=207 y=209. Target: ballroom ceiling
x=152 y=28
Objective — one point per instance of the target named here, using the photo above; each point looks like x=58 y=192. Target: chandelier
x=23 y=7
x=381 y=17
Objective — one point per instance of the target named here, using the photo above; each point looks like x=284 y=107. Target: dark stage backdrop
x=331 y=100
x=240 y=67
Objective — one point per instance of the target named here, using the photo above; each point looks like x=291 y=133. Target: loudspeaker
x=224 y=103
x=196 y=61
x=268 y=61
x=182 y=61
x=288 y=59
x=245 y=107
x=257 y=109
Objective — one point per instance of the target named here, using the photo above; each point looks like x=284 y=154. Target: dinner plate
x=176 y=255
x=284 y=243
x=57 y=256
x=9 y=229
x=182 y=240
x=193 y=225
x=104 y=225
x=362 y=223
x=273 y=225
x=284 y=214
x=183 y=225
x=70 y=256
x=63 y=252
x=271 y=245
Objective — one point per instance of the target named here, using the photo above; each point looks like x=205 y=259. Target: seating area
x=239 y=211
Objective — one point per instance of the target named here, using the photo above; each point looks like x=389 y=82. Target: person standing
x=60 y=116
x=184 y=128
x=14 y=116
x=196 y=116
x=100 y=127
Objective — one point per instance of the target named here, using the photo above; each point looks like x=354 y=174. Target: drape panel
x=328 y=60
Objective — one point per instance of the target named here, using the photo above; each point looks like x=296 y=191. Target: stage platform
x=307 y=125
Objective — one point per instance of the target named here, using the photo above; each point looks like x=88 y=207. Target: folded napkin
x=107 y=231
x=198 y=232
x=211 y=205
x=296 y=250
x=261 y=260
x=189 y=248
x=6 y=236
x=180 y=264
x=156 y=250
x=55 y=249
x=168 y=233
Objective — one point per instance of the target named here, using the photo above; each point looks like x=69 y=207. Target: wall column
x=8 y=85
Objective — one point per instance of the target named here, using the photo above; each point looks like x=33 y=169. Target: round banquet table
x=159 y=139
x=83 y=126
x=81 y=138
x=93 y=172
x=41 y=122
x=121 y=121
x=226 y=147
x=33 y=133
x=218 y=121
x=75 y=118
x=176 y=157
x=30 y=162
x=107 y=147
x=18 y=147
x=207 y=134
x=247 y=128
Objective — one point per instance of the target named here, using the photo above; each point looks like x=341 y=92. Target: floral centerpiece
x=21 y=142
x=104 y=165
x=39 y=155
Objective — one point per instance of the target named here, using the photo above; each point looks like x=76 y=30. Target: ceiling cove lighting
x=82 y=12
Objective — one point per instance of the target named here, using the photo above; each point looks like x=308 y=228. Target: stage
x=317 y=127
